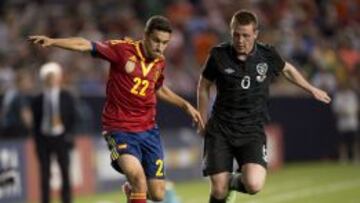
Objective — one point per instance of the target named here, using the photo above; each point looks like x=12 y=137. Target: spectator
x=54 y=119
x=346 y=108
x=15 y=115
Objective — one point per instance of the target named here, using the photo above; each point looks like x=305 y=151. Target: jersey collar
x=251 y=54
x=145 y=68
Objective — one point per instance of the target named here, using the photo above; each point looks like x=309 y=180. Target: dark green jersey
x=240 y=108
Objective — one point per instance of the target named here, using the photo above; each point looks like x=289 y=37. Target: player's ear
x=147 y=36
x=256 y=33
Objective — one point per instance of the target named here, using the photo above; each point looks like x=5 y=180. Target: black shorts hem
x=263 y=164
x=213 y=172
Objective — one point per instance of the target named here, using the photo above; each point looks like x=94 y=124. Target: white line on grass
x=308 y=192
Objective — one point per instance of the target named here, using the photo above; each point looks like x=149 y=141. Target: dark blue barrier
x=309 y=126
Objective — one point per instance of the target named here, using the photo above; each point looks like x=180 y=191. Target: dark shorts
x=349 y=137
x=146 y=146
x=219 y=154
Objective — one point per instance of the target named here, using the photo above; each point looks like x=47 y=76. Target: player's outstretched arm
x=74 y=44
x=165 y=94
x=294 y=76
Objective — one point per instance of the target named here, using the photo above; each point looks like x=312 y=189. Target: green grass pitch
x=318 y=182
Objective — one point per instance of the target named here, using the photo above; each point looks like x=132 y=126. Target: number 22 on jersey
x=140 y=86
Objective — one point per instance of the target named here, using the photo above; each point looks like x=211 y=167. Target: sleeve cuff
x=206 y=76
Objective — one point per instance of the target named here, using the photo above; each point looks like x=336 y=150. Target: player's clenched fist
x=41 y=40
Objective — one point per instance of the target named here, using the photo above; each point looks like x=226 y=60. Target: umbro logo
x=229 y=71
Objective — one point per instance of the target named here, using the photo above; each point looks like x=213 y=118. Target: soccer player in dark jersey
x=135 y=80
x=242 y=71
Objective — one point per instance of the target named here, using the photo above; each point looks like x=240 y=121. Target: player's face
x=156 y=43
x=243 y=37
x=52 y=80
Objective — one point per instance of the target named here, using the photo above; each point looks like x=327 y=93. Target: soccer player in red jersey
x=128 y=118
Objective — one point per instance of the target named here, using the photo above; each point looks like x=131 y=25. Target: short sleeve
x=210 y=69
x=277 y=62
x=159 y=81
x=108 y=50
x=160 y=76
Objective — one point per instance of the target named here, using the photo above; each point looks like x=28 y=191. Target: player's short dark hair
x=244 y=17
x=158 y=23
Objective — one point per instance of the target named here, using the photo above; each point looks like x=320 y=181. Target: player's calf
x=219 y=193
x=219 y=187
x=236 y=183
x=126 y=188
x=216 y=200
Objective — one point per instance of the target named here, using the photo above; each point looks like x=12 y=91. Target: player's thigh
x=252 y=160
x=130 y=165
x=132 y=169
x=218 y=156
x=156 y=189
x=254 y=151
x=153 y=155
x=125 y=154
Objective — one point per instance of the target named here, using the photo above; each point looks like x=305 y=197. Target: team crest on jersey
x=261 y=69
x=130 y=64
x=122 y=146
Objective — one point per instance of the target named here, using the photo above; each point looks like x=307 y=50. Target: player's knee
x=157 y=195
x=219 y=192
x=254 y=187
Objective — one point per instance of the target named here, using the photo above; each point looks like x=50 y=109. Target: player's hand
x=321 y=95
x=195 y=115
x=201 y=132
x=41 y=40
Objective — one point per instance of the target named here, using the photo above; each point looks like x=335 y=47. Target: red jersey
x=130 y=104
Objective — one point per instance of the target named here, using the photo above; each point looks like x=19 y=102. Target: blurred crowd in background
x=321 y=37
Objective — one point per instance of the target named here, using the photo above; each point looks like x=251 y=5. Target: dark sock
x=236 y=184
x=214 y=200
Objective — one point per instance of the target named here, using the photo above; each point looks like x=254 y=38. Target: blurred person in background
x=135 y=80
x=346 y=109
x=242 y=71
x=15 y=112
x=54 y=121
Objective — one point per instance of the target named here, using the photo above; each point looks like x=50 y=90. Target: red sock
x=137 y=197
